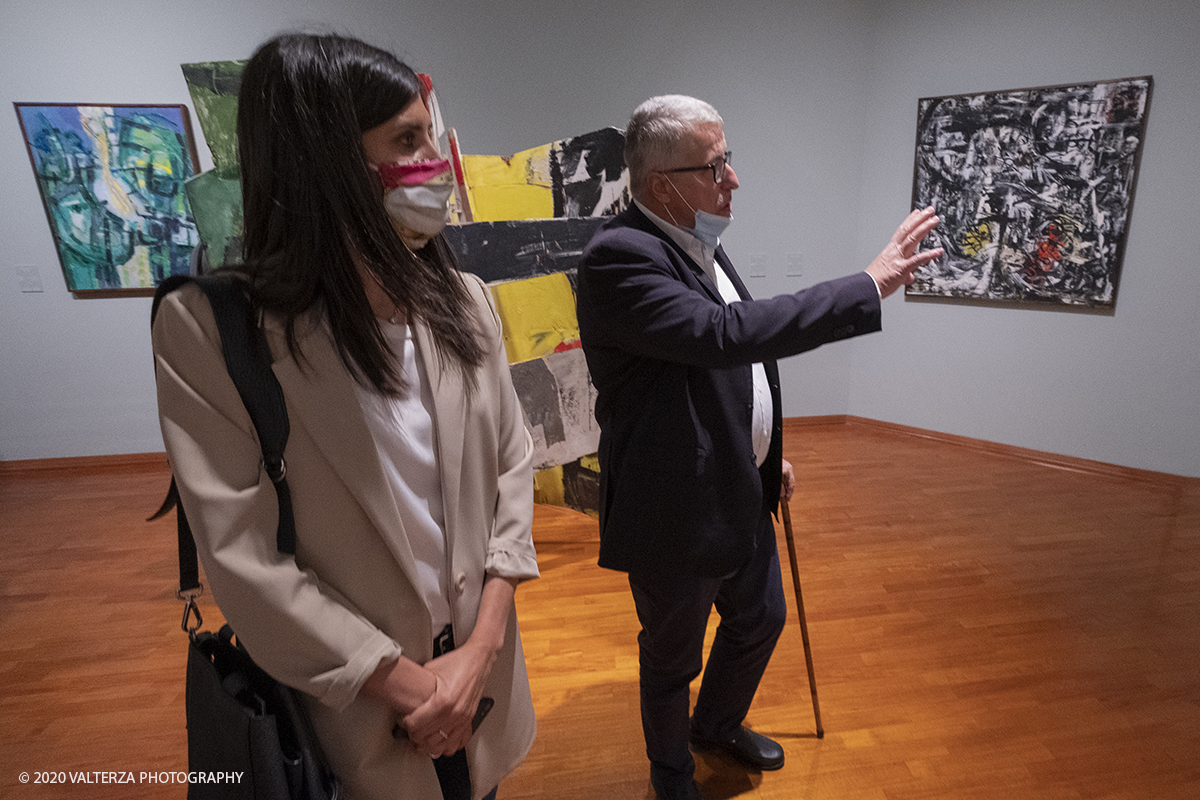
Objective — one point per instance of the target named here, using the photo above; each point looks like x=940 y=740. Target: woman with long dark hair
x=408 y=462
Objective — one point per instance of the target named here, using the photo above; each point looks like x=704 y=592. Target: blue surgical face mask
x=707 y=227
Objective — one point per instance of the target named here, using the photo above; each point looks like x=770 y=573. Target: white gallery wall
x=820 y=105
x=1123 y=388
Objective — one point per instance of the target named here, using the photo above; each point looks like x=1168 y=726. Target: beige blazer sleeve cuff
x=341 y=686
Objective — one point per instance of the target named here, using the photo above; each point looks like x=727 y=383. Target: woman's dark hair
x=314 y=210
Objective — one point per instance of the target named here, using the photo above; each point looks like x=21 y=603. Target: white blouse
x=405 y=438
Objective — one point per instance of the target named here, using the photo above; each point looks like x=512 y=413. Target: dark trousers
x=453 y=774
x=454 y=777
x=674 y=611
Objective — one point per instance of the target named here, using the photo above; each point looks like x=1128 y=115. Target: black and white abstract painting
x=1034 y=188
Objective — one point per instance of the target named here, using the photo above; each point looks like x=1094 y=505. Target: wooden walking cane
x=812 y=678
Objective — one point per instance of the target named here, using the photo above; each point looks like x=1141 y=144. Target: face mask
x=416 y=196
x=707 y=227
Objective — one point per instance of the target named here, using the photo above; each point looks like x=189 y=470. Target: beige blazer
x=325 y=619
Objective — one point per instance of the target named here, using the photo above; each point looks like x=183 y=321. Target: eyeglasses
x=717 y=167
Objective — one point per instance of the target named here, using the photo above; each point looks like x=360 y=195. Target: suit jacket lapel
x=642 y=222
x=322 y=399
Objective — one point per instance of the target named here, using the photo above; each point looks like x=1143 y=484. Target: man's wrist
x=878 y=288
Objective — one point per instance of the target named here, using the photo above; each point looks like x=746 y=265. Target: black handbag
x=248 y=734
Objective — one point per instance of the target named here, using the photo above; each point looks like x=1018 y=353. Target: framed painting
x=1034 y=188
x=111 y=178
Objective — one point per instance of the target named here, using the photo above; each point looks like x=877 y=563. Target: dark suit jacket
x=679 y=488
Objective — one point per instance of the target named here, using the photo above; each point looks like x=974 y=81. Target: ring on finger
x=445 y=735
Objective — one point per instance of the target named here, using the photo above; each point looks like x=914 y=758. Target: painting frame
x=1035 y=191
x=111 y=180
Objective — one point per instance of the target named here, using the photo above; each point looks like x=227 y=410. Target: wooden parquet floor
x=982 y=626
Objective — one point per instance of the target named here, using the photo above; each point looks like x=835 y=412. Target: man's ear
x=658 y=189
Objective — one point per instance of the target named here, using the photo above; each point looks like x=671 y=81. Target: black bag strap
x=248 y=360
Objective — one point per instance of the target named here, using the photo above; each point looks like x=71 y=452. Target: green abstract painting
x=214 y=87
x=216 y=196
x=112 y=180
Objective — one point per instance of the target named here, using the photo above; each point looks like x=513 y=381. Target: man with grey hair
x=691 y=452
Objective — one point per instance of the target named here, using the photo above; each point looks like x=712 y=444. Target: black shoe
x=750 y=748
x=681 y=789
